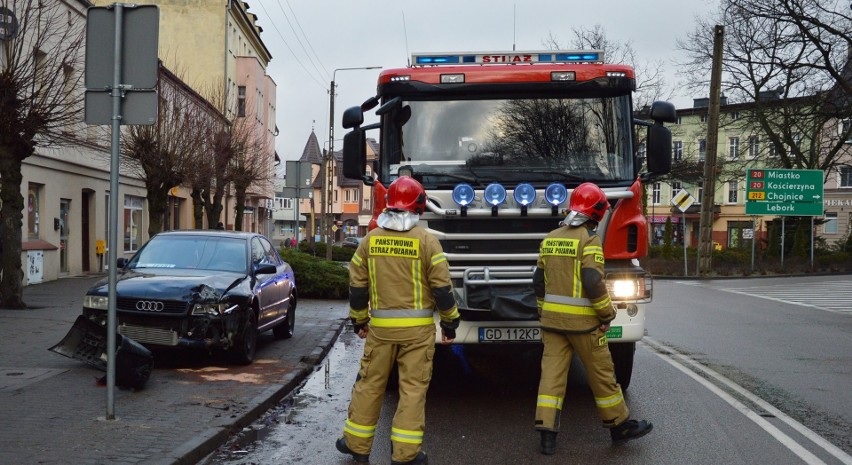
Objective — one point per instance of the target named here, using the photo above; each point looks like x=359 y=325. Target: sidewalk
x=53 y=410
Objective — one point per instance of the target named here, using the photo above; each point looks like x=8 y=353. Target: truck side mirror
x=353 y=117
x=659 y=150
x=663 y=112
x=355 y=154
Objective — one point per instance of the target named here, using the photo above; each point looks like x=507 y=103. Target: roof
x=312 y=152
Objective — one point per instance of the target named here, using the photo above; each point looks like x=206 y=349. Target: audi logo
x=150 y=306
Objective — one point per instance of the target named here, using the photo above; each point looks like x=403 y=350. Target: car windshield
x=192 y=252
x=536 y=140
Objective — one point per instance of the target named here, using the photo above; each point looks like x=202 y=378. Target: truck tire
x=622 y=360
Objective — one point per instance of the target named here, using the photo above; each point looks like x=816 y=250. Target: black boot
x=419 y=459
x=548 y=442
x=630 y=429
x=344 y=448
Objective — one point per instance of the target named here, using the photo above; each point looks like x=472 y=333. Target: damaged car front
x=200 y=291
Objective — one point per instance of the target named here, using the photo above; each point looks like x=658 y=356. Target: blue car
x=203 y=289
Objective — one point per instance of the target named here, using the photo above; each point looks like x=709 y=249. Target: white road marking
x=831 y=296
x=668 y=354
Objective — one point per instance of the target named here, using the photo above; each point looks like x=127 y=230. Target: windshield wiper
x=449 y=175
x=563 y=174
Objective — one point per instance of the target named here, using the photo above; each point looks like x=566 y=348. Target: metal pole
x=782 y=240
x=117 y=89
x=683 y=238
x=329 y=167
x=812 y=242
x=753 y=238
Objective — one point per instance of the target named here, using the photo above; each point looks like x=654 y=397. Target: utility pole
x=327 y=210
x=705 y=238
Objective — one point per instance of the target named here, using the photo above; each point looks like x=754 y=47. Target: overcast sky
x=309 y=39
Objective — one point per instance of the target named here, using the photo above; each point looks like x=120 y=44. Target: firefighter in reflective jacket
x=398 y=277
x=576 y=311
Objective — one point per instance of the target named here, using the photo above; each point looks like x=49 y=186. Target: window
x=830 y=226
x=734 y=148
x=773 y=150
x=675 y=188
x=844 y=130
x=132 y=222
x=655 y=195
x=704 y=118
x=641 y=151
x=677 y=147
x=753 y=147
x=736 y=230
x=733 y=188
x=846 y=176
x=797 y=141
x=735 y=115
x=679 y=120
x=33 y=210
x=241 y=101
x=700 y=192
x=702 y=149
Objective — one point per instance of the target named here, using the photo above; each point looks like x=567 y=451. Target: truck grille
x=147 y=335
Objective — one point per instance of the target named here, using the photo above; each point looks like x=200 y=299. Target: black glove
x=449 y=329
x=356 y=327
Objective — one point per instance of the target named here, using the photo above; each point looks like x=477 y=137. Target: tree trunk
x=198 y=206
x=157 y=205
x=240 y=206
x=12 y=283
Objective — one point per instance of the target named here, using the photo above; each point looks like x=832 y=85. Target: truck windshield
x=539 y=140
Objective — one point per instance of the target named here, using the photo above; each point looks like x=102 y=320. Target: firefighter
x=576 y=311
x=398 y=277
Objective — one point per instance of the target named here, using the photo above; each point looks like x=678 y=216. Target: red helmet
x=588 y=199
x=405 y=193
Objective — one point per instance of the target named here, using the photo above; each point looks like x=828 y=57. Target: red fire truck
x=499 y=140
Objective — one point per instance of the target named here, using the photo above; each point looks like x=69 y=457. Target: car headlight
x=96 y=302
x=209 y=309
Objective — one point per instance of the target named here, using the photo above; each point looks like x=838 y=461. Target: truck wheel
x=245 y=344
x=622 y=359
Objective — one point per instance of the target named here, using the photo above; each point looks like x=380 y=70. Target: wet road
x=735 y=377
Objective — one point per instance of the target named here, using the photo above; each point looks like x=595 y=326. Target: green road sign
x=784 y=192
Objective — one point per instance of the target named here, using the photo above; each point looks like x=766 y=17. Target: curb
x=207 y=443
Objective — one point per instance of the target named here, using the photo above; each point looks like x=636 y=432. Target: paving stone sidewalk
x=54 y=409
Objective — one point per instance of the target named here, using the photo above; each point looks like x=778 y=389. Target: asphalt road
x=732 y=371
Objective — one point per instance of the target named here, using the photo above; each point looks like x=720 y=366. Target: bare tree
x=162 y=154
x=40 y=96
x=789 y=60
x=251 y=164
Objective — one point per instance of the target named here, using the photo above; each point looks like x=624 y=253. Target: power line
x=319 y=83
x=296 y=18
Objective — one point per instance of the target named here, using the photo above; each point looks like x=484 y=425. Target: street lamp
x=327 y=166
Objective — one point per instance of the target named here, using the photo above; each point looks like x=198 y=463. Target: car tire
x=245 y=344
x=286 y=328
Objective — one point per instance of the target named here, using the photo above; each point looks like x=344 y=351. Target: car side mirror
x=121 y=262
x=265 y=268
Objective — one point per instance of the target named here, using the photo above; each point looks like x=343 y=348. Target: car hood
x=170 y=285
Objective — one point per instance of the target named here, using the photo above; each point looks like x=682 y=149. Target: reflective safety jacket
x=397 y=279
x=569 y=281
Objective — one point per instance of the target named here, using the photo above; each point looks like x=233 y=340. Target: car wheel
x=245 y=345
x=285 y=329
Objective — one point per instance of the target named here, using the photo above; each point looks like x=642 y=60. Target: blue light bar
x=506 y=58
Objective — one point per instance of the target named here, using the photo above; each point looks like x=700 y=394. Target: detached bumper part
x=86 y=341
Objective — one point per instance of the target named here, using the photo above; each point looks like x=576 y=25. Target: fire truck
x=499 y=140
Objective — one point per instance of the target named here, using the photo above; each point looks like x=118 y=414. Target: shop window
x=34 y=210
x=830 y=225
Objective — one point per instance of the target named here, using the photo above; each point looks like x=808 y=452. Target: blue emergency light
x=513 y=57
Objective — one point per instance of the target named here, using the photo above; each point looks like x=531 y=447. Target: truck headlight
x=96 y=302
x=630 y=288
x=209 y=309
